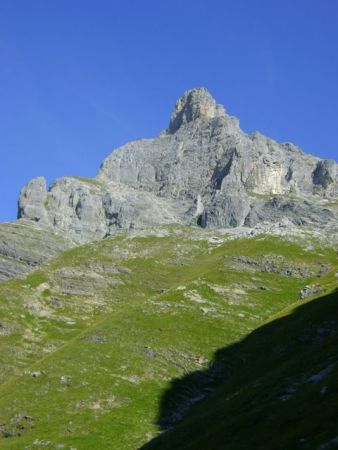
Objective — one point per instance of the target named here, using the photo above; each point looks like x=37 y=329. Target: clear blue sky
x=79 y=78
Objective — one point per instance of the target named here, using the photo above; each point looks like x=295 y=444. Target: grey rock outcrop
x=32 y=200
x=193 y=105
x=309 y=291
x=25 y=244
x=204 y=170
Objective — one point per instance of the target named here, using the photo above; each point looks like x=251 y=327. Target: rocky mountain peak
x=204 y=170
x=194 y=104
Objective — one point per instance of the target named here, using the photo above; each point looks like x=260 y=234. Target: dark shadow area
x=221 y=172
x=284 y=340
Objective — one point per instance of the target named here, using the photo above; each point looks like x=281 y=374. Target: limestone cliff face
x=32 y=200
x=204 y=169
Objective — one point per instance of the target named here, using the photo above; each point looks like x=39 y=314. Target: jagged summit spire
x=195 y=103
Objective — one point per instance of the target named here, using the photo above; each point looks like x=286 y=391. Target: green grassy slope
x=91 y=342
x=282 y=392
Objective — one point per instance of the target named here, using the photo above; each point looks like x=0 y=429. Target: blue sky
x=79 y=78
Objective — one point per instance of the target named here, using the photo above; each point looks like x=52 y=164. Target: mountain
x=202 y=170
x=184 y=298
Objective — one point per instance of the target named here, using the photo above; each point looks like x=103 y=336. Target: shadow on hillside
x=243 y=362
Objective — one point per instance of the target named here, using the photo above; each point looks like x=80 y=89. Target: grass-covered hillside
x=279 y=390
x=111 y=343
